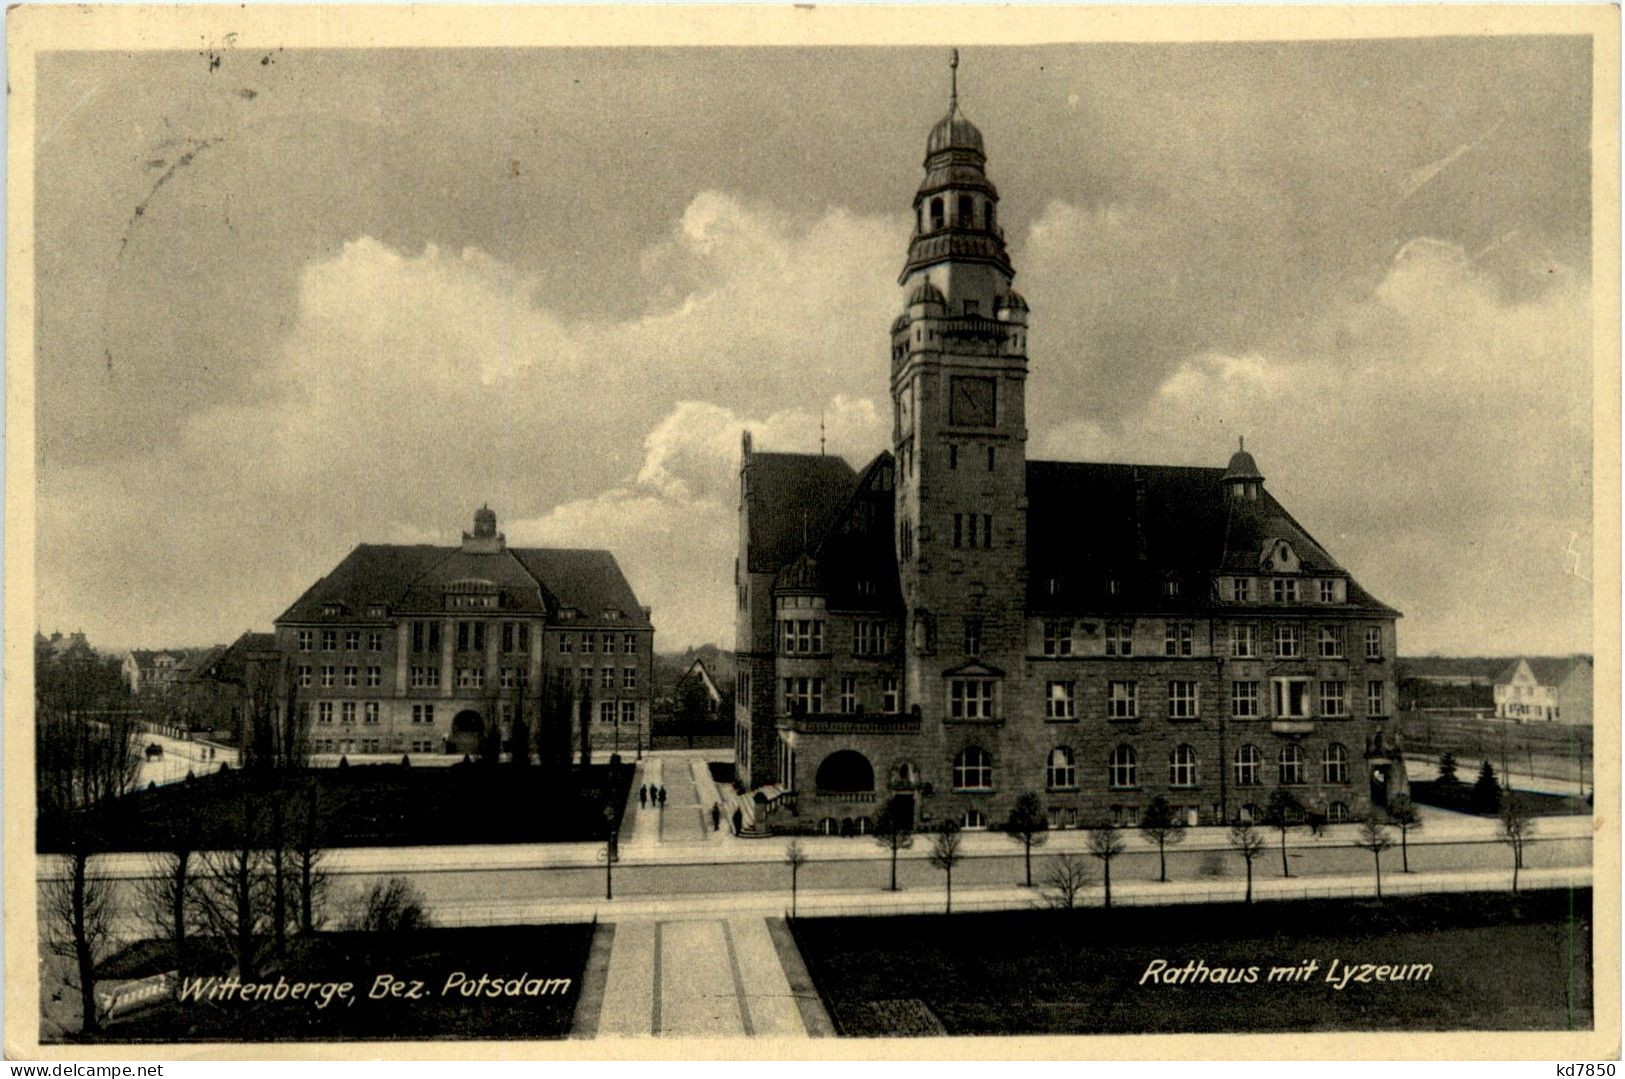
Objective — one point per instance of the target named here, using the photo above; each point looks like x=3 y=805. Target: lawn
x=1498 y=962
x=1458 y=798
x=389 y=805
x=423 y=962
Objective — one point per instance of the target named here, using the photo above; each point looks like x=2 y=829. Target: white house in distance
x=1545 y=690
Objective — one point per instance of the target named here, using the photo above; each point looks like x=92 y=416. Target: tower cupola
x=1241 y=479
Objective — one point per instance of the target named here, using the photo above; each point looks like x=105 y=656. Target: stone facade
x=958 y=625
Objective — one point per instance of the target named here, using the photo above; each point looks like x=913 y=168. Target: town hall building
x=954 y=625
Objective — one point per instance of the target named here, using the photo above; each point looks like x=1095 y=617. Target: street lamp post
x=610 y=852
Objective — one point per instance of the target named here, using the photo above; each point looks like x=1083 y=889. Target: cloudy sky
x=298 y=300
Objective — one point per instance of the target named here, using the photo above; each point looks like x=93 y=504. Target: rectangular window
x=425 y=636
x=606 y=713
x=375 y=640
x=629 y=713
x=973 y=530
x=1243 y=640
x=1328 y=591
x=1291 y=698
x=1334 y=698
x=567 y=644
x=305 y=638
x=508 y=678
x=328 y=675
x=889 y=701
x=369 y=714
x=1373 y=642
x=970 y=698
x=1244 y=700
x=352 y=640
x=425 y=677
x=1331 y=642
x=1183 y=700
x=304 y=677
x=375 y=677
x=953 y=457
x=1057 y=638
x=508 y=636
x=1284 y=590
x=868 y=638
x=1179 y=639
x=585 y=680
x=324 y=712
x=347 y=712
x=586 y=644
x=423 y=713
x=1119 y=638
x=803 y=636
x=606 y=678
x=1122 y=700
x=849 y=694
x=1059 y=702
x=973 y=636
x=803 y=696
x=629 y=644
x=471 y=636
x=470 y=677
x=330 y=640
x=1288 y=640
x=1239 y=589
x=350 y=674
x=629 y=678
x=608 y=643
x=1373 y=699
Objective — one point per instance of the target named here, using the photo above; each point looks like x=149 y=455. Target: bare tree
x=1516 y=826
x=894 y=830
x=80 y=906
x=309 y=855
x=1066 y=878
x=1283 y=814
x=1162 y=826
x=1105 y=843
x=794 y=857
x=1246 y=841
x=1029 y=826
x=391 y=906
x=945 y=854
x=1376 y=839
x=1402 y=814
x=234 y=890
x=168 y=898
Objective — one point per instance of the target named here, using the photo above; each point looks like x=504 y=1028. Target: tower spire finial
x=1242 y=442
x=953 y=80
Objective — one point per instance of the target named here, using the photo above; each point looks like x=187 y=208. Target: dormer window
x=472 y=594
x=612 y=615
x=377 y=610
x=1170 y=586
x=332 y=610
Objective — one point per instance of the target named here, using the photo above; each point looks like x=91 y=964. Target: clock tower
x=958 y=377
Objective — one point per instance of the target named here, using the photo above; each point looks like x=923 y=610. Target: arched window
x=973 y=819
x=1291 y=766
x=845 y=771
x=1337 y=812
x=973 y=770
x=1249 y=766
x=936 y=213
x=1182 y=767
x=1334 y=766
x=829 y=826
x=967 y=210
x=1063 y=769
x=1123 y=769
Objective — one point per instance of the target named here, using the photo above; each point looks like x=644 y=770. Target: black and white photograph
x=842 y=532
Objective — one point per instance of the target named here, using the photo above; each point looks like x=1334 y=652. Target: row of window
x=1283 y=589
x=349 y=677
x=1179 y=639
x=973 y=767
x=605 y=643
x=472 y=637
x=346 y=711
x=1290 y=699
x=609 y=711
x=803 y=696
x=352 y=640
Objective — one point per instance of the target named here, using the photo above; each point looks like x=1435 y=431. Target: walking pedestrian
x=662 y=797
x=739 y=821
x=643 y=796
x=716 y=817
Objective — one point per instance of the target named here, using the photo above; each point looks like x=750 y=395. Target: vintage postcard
x=801 y=532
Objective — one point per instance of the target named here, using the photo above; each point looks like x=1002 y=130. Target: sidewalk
x=629 y=913
x=684 y=844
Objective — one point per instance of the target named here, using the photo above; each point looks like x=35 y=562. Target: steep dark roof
x=857 y=553
x=790 y=501
x=1144 y=525
x=412 y=579
x=231 y=664
x=1548 y=670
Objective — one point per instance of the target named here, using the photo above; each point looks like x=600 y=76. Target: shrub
x=392 y=906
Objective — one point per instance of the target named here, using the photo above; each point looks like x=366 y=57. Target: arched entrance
x=846 y=771
x=466 y=729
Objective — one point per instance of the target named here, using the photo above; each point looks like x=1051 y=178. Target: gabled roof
x=790 y=500
x=1548 y=670
x=700 y=672
x=1144 y=525
x=857 y=554
x=410 y=579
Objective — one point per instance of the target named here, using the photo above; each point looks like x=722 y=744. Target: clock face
x=972 y=402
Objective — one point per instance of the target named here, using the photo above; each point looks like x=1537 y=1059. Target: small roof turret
x=1242 y=467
